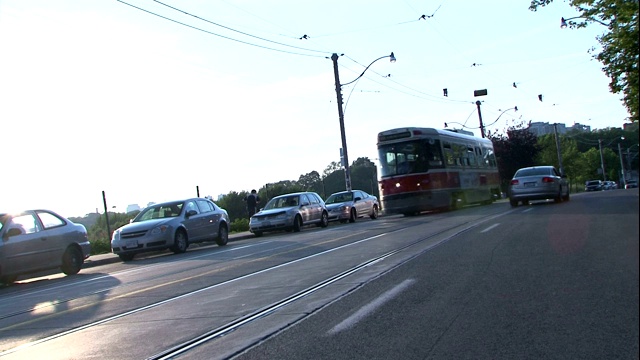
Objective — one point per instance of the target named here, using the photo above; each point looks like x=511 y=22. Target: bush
x=100 y=246
x=240 y=225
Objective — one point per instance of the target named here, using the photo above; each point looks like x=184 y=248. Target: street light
x=345 y=156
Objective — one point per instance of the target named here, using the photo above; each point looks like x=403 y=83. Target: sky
x=151 y=101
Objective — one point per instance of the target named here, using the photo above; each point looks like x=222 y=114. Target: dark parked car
x=290 y=212
x=538 y=183
x=37 y=240
x=172 y=225
x=350 y=205
x=631 y=184
x=594 y=185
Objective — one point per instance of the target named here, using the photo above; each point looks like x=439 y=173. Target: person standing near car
x=252 y=201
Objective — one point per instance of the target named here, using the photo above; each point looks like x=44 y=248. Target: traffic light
x=540 y=97
x=445 y=92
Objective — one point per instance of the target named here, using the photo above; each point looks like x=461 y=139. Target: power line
x=212 y=33
x=238 y=31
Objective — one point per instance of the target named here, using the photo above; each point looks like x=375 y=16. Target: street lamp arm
x=393 y=59
x=502 y=113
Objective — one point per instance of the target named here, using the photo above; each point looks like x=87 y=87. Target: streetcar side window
x=448 y=154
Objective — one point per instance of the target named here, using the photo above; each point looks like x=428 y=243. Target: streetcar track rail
x=239 y=322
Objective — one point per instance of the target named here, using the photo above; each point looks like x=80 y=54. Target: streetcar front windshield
x=410 y=157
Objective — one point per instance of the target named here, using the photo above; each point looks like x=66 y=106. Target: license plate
x=529 y=184
x=132 y=244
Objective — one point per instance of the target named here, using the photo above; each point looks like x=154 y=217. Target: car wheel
x=352 y=215
x=223 y=236
x=180 y=243
x=324 y=221
x=513 y=202
x=8 y=279
x=374 y=213
x=566 y=197
x=126 y=257
x=72 y=261
x=558 y=198
x=297 y=223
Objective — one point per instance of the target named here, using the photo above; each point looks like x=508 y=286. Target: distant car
x=290 y=212
x=349 y=205
x=538 y=183
x=172 y=225
x=610 y=185
x=631 y=184
x=37 y=240
x=594 y=185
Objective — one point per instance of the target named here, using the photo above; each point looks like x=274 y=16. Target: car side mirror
x=190 y=213
x=357 y=199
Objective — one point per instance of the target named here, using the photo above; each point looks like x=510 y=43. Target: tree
x=311 y=182
x=516 y=149
x=619 y=53
x=234 y=203
x=364 y=176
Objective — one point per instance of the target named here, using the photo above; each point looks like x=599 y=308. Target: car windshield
x=339 y=198
x=532 y=172
x=282 y=202
x=160 y=211
x=597 y=182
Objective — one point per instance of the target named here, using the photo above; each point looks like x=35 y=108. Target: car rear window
x=532 y=172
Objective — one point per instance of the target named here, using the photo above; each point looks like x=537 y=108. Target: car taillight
x=547 y=180
x=514 y=182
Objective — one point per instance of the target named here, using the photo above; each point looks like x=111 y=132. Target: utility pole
x=480 y=117
x=106 y=215
x=624 y=178
x=604 y=175
x=345 y=156
x=555 y=130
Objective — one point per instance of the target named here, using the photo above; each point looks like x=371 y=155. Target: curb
x=111 y=258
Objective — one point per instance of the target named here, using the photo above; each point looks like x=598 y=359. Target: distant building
x=132 y=208
x=541 y=129
x=545 y=128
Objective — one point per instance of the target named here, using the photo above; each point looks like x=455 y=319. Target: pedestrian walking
x=252 y=201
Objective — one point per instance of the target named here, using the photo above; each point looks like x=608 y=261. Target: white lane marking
x=529 y=209
x=490 y=228
x=371 y=307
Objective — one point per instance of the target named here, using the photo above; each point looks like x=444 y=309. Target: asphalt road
x=486 y=282
x=548 y=281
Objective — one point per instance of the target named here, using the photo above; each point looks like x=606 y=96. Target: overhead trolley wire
x=230 y=38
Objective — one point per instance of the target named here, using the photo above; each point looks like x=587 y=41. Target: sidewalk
x=110 y=258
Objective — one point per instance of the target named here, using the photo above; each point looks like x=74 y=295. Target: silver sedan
x=350 y=205
x=538 y=183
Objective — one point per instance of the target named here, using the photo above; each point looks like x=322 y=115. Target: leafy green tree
x=619 y=53
x=514 y=149
x=311 y=182
x=235 y=205
x=364 y=176
x=331 y=168
x=99 y=237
